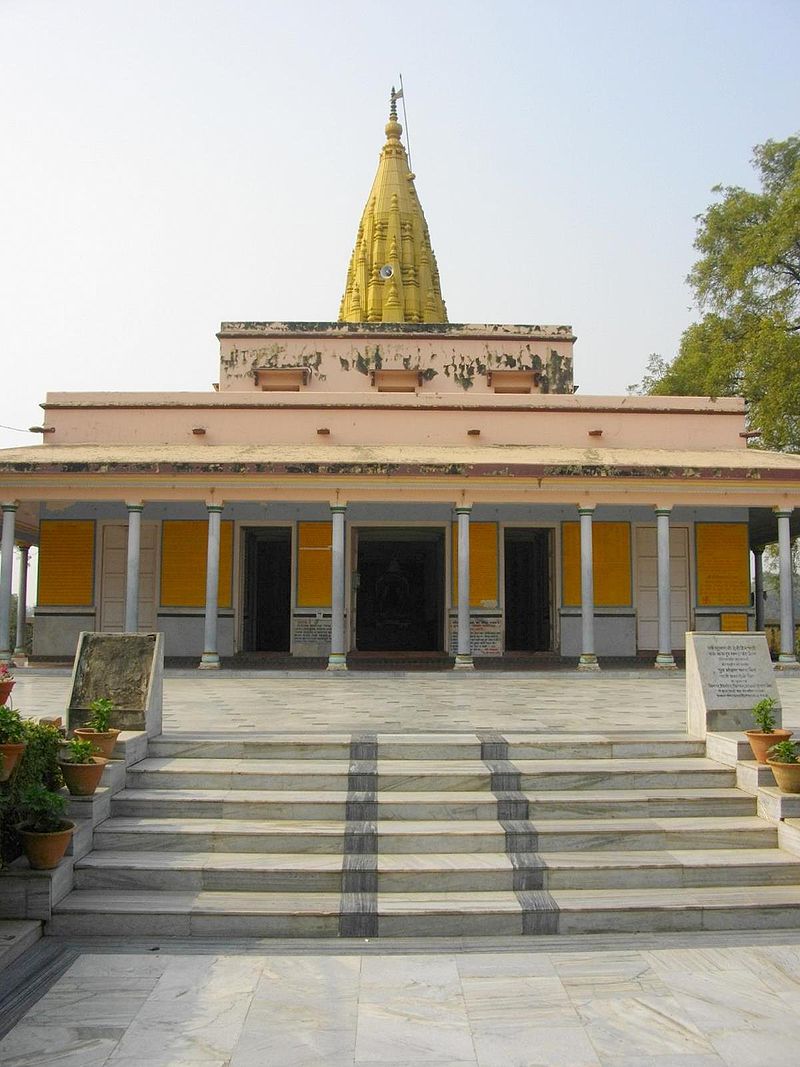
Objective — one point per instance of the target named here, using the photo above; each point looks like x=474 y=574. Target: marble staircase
x=425 y=835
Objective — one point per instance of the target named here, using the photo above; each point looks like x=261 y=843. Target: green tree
x=747 y=285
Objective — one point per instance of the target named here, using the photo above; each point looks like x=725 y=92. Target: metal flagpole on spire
x=401 y=96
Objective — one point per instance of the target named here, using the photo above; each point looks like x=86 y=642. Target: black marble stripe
x=539 y=908
x=28 y=978
x=358 y=908
x=539 y=912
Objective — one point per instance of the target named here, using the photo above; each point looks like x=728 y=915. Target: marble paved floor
x=664 y=1001
x=417 y=702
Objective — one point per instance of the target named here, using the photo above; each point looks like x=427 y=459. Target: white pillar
x=132 y=581
x=787 y=657
x=758 y=595
x=337 y=660
x=210 y=657
x=20 y=656
x=588 y=660
x=463 y=647
x=6 y=571
x=664 y=660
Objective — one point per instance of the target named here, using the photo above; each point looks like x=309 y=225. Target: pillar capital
x=783 y=512
x=214 y=508
x=9 y=505
x=463 y=509
x=659 y=510
x=338 y=509
x=586 y=509
x=133 y=506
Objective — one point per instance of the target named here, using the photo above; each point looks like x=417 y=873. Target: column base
x=787 y=662
x=463 y=663
x=665 y=661
x=588 y=662
x=209 y=662
x=20 y=659
x=337 y=661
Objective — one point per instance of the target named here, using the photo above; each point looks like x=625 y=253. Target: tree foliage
x=747 y=285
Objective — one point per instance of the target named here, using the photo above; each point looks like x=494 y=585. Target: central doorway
x=399 y=590
x=267 y=589
x=528 y=590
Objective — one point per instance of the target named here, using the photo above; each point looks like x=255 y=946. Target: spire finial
x=393 y=107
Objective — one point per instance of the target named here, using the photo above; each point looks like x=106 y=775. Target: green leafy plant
x=39 y=766
x=78 y=751
x=43 y=810
x=101 y=715
x=12 y=729
x=764 y=715
x=784 y=752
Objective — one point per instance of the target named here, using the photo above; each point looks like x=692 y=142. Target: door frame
x=688 y=526
x=240 y=570
x=555 y=574
x=100 y=528
x=351 y=564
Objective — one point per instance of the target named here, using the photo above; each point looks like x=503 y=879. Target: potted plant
x=6 y=682
x=44 y=832
x=783 y=760
x=98 y=729
x=763 y=739
x=12 y=740
x=80 y=767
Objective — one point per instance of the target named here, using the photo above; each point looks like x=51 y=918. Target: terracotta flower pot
x=787 y=776
x=83 y=778
x=761 y=743
x=45 y=851
x=103 y=742
x=12 y=754
x=5 y=690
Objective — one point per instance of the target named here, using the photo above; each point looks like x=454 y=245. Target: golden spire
x=393 y=275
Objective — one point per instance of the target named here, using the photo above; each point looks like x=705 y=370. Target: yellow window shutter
x=723 y=564
x=482 y=564
x=184 y=559
x=314 y=561
x=611 y=556
x=66 y=563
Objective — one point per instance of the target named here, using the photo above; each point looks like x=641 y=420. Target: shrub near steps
x=429 y=835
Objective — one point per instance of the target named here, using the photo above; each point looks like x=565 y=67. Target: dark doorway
x=268 y=588
x=527 y=588
x=400 y=590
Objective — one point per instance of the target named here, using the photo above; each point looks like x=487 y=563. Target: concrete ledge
x=776 y=806
x=728 y=748
x=752 y=776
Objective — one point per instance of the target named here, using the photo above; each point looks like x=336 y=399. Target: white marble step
x=424 y=746
x=429 y=775
x=433 y=872
x=413 y=836
x=243 y=914
x=331 y=804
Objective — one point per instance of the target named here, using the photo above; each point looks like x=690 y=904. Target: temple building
x=392 y=484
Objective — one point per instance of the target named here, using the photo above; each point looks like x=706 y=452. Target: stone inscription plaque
x=726 y=674
x=125 y=668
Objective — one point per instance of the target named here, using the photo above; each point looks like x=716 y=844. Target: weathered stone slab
x=726 y=675
x=127 y=669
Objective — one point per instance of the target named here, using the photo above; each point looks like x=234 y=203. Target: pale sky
x=169 y=164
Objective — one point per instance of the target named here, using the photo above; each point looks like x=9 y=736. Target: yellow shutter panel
x=611 y=555
x=482 y=564
x=723 y=564
x=314 y=561
x=66 y=563
x=184 y=559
